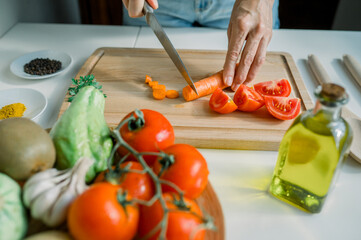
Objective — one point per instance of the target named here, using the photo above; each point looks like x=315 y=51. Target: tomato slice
x=247 y=99
x=280 y=88
x=221 y=102
x=283 y=108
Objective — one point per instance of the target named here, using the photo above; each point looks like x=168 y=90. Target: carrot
x=148 y=79
x=153 y=83
x=172 y=94
x=204 y=87
x=159 y=86
x=159 y=93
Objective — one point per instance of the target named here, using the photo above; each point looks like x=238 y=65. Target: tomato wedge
x=222 y=103
x=280 y=88
x=247 y=99
x=283 y=108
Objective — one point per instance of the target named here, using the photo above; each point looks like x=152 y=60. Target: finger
x=247 y=57
x=153 y=3
x=135 y=8
x=234 y=48
x=126 y=3
x=259 y=59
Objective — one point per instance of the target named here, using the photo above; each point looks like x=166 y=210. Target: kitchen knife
x=168 y=46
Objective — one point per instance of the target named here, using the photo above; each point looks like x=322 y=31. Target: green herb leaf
x=88 y=80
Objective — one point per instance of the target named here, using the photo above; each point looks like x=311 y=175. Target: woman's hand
x=251 y=22
x=135 y=7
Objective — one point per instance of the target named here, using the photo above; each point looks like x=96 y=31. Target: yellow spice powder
x=12 y=110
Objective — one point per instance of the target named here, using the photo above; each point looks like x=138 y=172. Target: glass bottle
x=312 y=151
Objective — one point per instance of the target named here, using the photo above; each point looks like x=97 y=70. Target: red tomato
x=98 y=214
x=138 y=185
x=189 y=171
x=281 y=88
x=247 y=99
x=222 y=103
x=182 y=223
x=156 y=134
x=283 y=108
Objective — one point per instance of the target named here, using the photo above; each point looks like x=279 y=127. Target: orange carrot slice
x=148 y=79
x=159 y=86
x=172 y=94
x=159 y=93
x=153 y=83
x=204 y=87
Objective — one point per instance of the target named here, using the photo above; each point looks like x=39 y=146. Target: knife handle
x=147 y=8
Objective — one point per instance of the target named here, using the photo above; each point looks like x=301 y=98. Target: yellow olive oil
x=309 y=156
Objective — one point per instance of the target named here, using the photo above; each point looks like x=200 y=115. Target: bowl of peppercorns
x=40 y=64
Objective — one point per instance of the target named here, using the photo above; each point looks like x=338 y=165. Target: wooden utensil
x=353 y=66
x=352 y=119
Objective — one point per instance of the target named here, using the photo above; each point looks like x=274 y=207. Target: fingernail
x=235 y=87
x=228 y=81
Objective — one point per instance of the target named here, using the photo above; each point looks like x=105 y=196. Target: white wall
x=348 y=15
x=9 y=14
x=39 y=11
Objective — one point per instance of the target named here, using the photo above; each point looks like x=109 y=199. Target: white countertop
x=240 y=178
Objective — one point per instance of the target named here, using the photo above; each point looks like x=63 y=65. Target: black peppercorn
x=42 y=66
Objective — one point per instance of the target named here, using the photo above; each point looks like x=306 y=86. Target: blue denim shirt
x=188 y=13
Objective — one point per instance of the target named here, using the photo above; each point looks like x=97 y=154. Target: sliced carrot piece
x=153 y=83
x=159 y=93
x=159 y=86
x=204 y=87
x=172 y=94
x=148 y=79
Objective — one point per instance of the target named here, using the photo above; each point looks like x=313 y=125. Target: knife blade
x=166 y=43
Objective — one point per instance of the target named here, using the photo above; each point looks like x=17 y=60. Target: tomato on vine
x=103 y=212
x=185 y=167
x=148 y=133
x=138 y=185
x=184 y=219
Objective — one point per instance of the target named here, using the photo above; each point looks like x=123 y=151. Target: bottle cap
x=333 y=91
x=331 y=94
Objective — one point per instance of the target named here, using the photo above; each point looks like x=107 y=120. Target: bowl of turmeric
x=21 y=102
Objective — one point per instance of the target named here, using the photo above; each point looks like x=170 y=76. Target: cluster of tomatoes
x=273 y=94
x=166 y=185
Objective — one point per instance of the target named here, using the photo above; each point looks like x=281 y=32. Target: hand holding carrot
x=135 y=7
x=250 y=23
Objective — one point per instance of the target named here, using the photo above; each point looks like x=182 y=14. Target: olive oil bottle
x=312 y=151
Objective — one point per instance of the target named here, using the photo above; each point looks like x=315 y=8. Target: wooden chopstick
x=318 y=70
x=353 y=66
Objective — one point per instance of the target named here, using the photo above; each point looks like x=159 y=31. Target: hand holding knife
x=168 y=46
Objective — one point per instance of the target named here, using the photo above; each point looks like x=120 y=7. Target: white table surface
x=240 y=178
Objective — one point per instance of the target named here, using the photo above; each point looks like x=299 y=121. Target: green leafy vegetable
x=88 y=80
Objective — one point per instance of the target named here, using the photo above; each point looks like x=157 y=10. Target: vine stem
x=133 y=121
x=139 y=156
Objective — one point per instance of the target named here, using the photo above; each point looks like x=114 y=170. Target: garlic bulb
x=49 y=194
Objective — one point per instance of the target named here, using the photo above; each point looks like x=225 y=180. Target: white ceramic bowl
x=17 y=66
x=34 y=101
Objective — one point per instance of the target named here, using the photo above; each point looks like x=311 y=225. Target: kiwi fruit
x=25 y=148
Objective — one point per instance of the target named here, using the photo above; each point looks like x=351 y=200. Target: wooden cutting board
x=122 y=72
